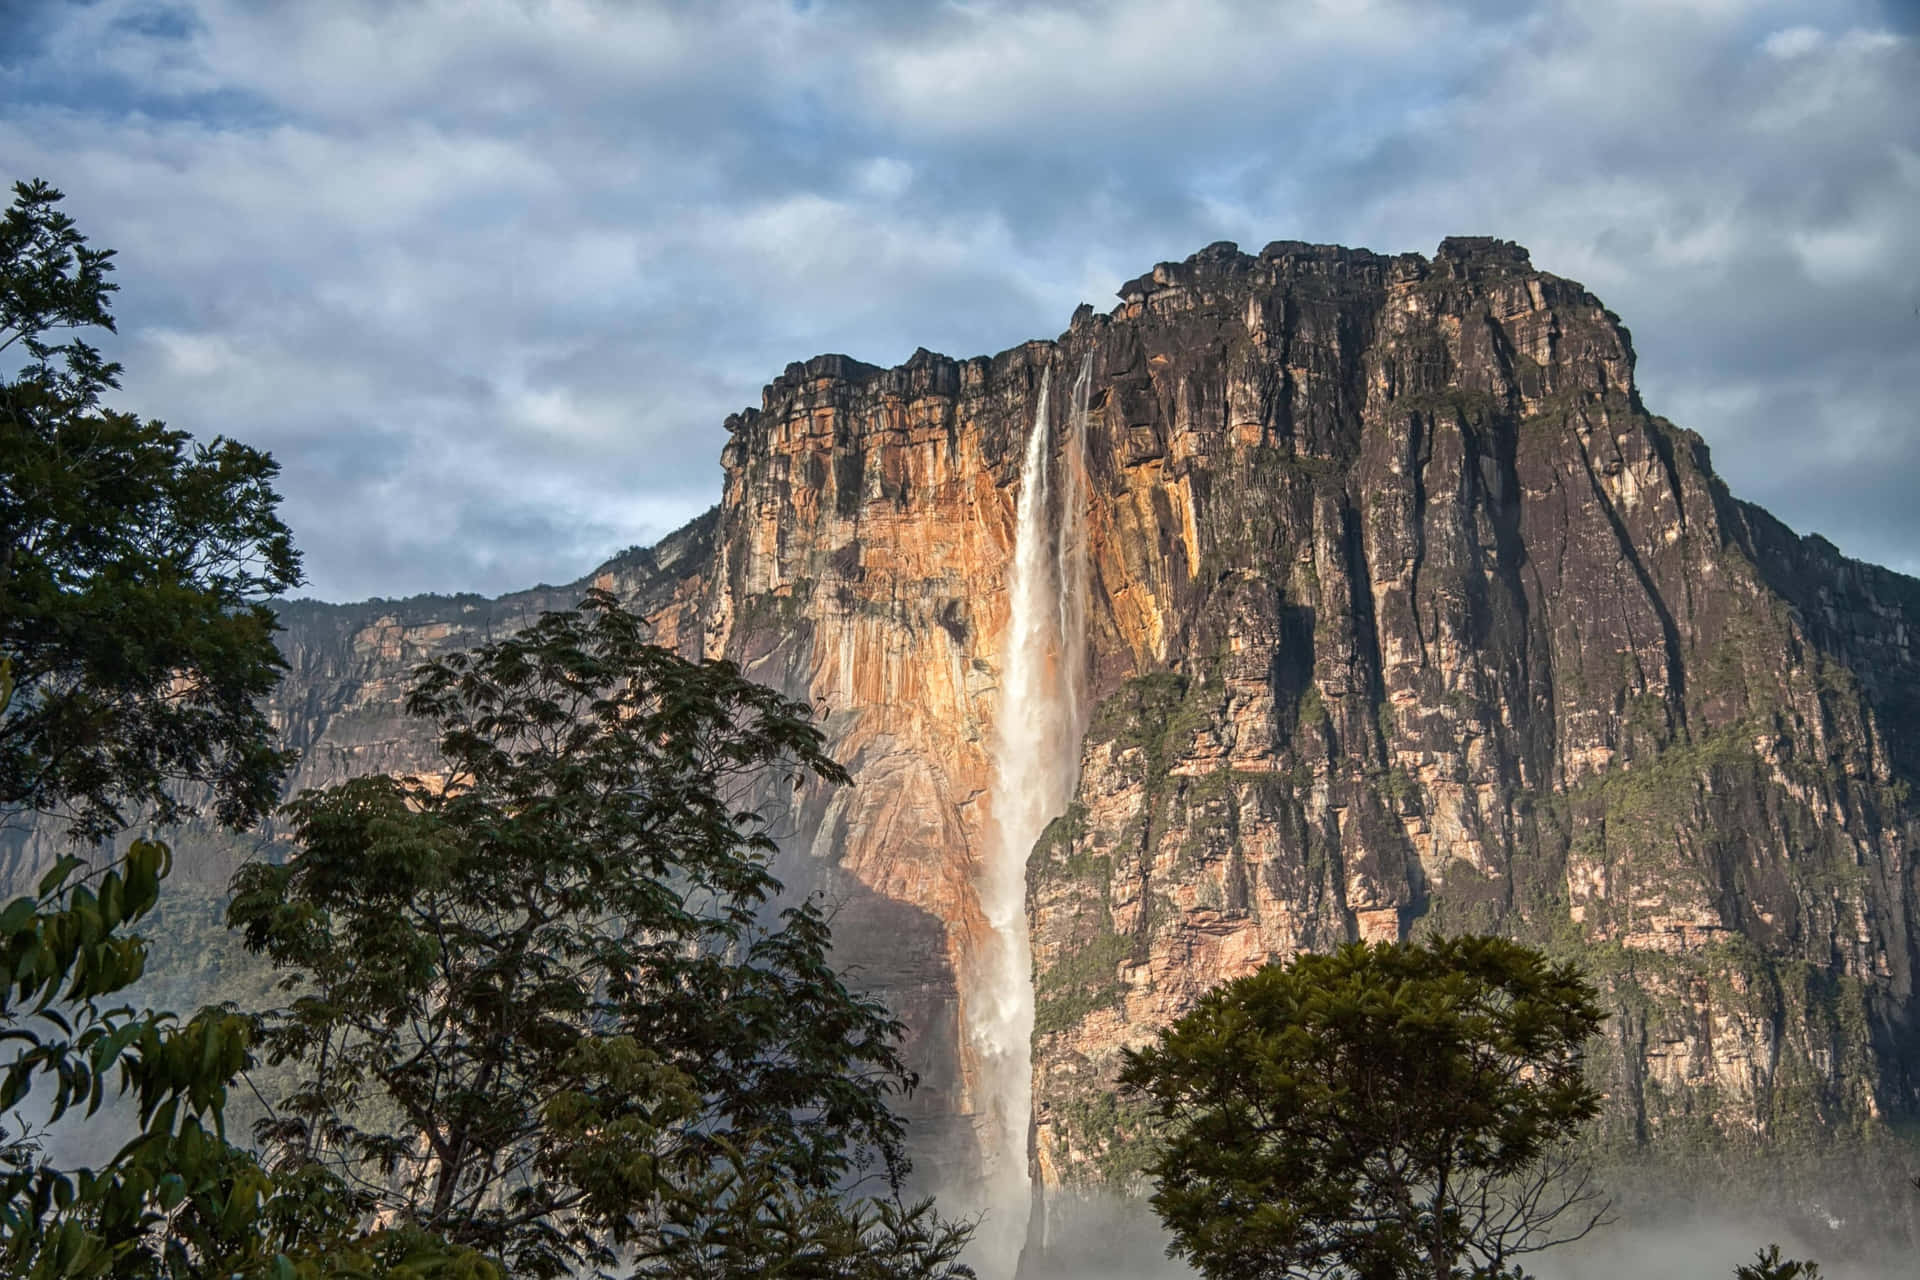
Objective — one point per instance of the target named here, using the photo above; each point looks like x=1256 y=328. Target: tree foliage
x=62 y=954
x=744 y=1217
x=1767 y=1264
x=176 y=1199
x=132 y=647
x=1385 y=1111
x=543 y=992
x=134 y=564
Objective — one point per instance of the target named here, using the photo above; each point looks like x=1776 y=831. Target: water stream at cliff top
x=1036 y=758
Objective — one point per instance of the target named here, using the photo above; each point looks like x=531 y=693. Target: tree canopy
x=176 y=1200
x=545 y=992
x=134 y=566
x=1767 y=1264
x=1384 y=1111
x=133 y=645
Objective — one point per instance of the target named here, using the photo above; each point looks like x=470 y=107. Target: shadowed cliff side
x=1405 y=616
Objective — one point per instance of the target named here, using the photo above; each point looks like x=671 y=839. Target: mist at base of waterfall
x=1698 y=1235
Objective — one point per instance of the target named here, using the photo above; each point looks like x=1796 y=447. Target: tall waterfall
x=1036 y=757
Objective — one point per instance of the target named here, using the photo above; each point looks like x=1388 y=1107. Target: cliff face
x=349 y=666
x=1405 y=615
x=1465 y=638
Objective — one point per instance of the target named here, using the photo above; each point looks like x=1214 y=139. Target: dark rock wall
x=1406 y=616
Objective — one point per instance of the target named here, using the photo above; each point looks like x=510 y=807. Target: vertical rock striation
x=1402 y=614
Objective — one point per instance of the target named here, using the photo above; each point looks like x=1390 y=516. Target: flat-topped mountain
x=1401 y=614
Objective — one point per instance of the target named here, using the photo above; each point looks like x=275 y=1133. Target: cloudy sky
x=486 y=276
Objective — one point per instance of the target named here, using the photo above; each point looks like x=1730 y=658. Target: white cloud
x=486 y=276
x=884 y=177
x=1099 y=71
x=1794 y=42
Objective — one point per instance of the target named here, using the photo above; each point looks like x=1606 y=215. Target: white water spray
x=1036 y=755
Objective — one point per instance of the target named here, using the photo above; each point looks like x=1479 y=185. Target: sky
x=486 y=277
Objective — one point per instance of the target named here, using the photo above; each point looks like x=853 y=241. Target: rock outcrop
x=1405 y=615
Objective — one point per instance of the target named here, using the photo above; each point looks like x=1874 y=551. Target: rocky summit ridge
x=1405 y=615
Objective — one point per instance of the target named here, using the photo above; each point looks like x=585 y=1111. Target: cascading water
x=1036 y=755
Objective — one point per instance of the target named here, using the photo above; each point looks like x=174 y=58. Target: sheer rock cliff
x=1406 y=615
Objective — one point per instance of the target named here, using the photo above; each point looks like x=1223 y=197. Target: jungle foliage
x=134 y=644
x=546 y=1005
x=1380 y=1112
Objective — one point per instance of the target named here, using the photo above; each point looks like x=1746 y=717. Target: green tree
x=1769 y=1265
x=134 y=566
x=1382 y=1112
x=133 y=643
x=745 y=1217
x=545 y=993
x=177 y=1200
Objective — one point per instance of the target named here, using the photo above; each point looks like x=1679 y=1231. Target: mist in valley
x=1693 y=1236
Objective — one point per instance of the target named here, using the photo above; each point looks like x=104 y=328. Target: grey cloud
x=487 y=280
x=1737 y=192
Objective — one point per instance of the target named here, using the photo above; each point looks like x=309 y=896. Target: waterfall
x=1036 y=757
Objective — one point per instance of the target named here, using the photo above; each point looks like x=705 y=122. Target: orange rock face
x=862 y=565
x=1404 y=616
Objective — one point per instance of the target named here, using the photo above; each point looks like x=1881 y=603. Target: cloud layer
x=487 y=276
